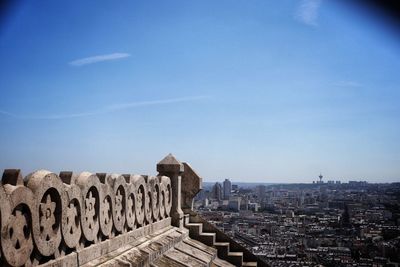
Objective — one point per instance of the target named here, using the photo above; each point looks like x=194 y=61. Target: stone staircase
x=227 y=249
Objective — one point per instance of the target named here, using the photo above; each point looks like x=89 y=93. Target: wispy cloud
x=307 y=12
x=99 y=58
x=107 y=109
x=348 y=84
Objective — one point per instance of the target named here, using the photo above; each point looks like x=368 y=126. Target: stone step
x=222 y=248
x=186 y=218
x=210 y=239
x=197 y=244
x=195 y=229
x=250 y=264
x=207 y=238
x=182 y=258
x=236 y=258
x=221 y=263
x=194 y=252
x=165 y=262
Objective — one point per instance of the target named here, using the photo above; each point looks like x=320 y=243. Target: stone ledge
x=170 y=246
x=116 y=245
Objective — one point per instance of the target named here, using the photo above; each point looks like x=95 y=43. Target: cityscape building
x=216 y=192
x=227 y=188
x=316 y=224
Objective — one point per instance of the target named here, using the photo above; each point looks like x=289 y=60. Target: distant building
x=358 y=183
x=253 y=206
x=234 y=203
x=260 y=192
x=206 y=203
x=244 y=204
x=289 y=213
x=216 y=192
x=320 y=179
x=227 y=188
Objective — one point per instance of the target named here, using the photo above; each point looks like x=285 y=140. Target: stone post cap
x=12 y=177
x=66 y=177
x=169 y=164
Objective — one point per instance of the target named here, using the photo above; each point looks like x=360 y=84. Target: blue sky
x=262 y=91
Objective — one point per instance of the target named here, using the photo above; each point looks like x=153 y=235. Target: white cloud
x=8 y=114
x=153 y=102
x=307 y=12
x=96 y=59
x=348 y=84
x=107 y=109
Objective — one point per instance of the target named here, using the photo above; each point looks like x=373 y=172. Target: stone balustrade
x=100 y=219
x=46 y=216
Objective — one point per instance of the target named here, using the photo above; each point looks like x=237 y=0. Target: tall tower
x=216 y=192
x=320 y=178
x=260 y=191
x=227 y=188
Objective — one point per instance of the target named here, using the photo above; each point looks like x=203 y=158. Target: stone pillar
x=191 y=185
x=173 y=168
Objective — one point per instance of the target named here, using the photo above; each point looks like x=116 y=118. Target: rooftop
x=99 y=219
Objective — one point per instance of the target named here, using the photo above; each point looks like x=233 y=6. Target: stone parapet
x=48 y=218
x=99 y=219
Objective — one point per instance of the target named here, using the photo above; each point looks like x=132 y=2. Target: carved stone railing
x=47 y=217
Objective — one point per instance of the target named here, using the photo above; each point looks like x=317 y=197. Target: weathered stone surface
x=68 y=219
x=90 y=190
x=156 y=198
x=50 y=200
x=191 y=185
x=106 y=204
x=166 y=262
x=12 y=177
x=171 y=167
x=194 y=243
x=67 y=177
x=141 y=198
x=70 y=260
x=159 y=249
x=120 y=193
x=221 y=263
x=71 y=216
x=166 y=191
x=100 y=219
x=194 y=252
x=170 y=164
x=17 y=204
x=130 y=211
x=148 y=203
x=183 y=258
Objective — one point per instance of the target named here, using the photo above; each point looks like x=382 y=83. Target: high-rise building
x=227 y=188
x=260 y=192
x=216 y=192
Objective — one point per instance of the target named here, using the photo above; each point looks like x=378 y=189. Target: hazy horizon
x=258 y=91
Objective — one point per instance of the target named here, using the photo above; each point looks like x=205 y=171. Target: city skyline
x=329 y=224
x=259 y=92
